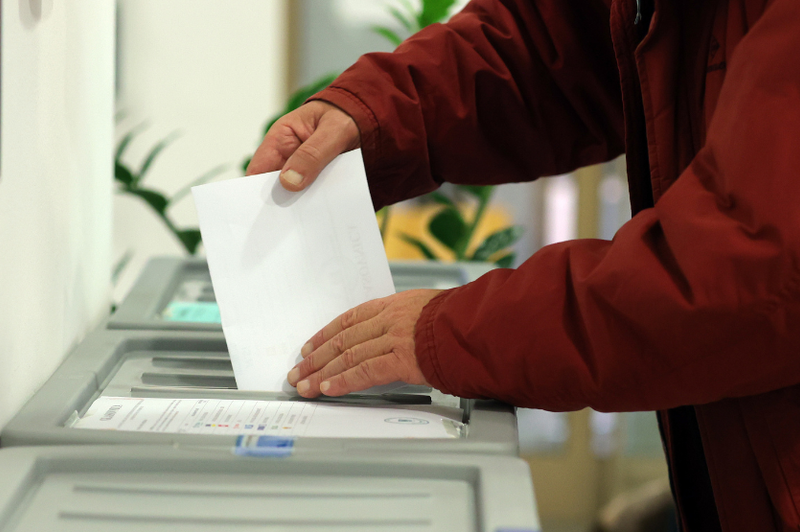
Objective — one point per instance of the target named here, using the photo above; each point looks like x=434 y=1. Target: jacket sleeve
x=507 y=91
x=695 y=300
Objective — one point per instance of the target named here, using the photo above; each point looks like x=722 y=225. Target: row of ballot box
x=142 y=427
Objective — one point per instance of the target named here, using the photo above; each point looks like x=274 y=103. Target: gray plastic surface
x=182 y=364
x=166 y=279
x=159 y=489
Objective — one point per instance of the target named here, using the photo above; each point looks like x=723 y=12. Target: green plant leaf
x=123 y=174
x=408 y=6
x=190 y=238
x=245 y=164
x=449 y=228
x=388 y=34
x=386 y=214
x=156 y=200
x=120 y=266
x=403 y=19
x=411 y=15
x=126 y=140
x=481 y=192
x=440 y=198
x=434 y=11
x=208 y=176
x=497 y=241
x=506 y=261
x=425 y=250
x=304 y=93
x=157 y=149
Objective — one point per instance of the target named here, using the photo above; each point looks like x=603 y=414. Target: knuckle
x=394 y=333
x=349 y=358
x=363 y=373
x=349 y=318
x=338 y=344
x=346 y=382
x=307 y=365
x=318 y=339
x=383 y=303
x=310 y=153
x=283 y=127
x=272 y=132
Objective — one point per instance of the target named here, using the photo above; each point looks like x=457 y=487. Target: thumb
x=336 y=133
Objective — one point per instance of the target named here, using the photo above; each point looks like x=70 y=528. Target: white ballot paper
x=269 y=418
x=284 y=264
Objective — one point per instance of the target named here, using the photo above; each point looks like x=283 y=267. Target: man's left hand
x=369 y=345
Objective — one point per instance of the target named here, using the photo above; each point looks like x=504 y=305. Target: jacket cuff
x=425 y=344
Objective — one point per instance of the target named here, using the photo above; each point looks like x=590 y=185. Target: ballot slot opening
x=167 y=362
x=190 y=379
x=176 y=386
x=219 y=363
x=108 y=367
x=180 y=369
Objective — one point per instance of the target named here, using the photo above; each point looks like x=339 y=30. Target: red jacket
x=696 y=300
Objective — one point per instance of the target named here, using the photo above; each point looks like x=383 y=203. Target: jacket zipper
x=638 y=12
x=625 y=40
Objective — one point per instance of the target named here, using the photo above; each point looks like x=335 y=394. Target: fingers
x=369 y=345
x=351 y=358
x=279 y=143
x=303 y=142
x=335 y=133
x=342 y=344
x=364 y=312
x=372 y=372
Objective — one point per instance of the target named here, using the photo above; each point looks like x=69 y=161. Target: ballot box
x=163 y=489
x=176 y=294
x=177 y=387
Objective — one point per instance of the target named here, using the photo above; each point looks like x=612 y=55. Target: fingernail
x=293 y=376
x=325 y=386
x=303 y=386
x=306 y=350
x=292 y=177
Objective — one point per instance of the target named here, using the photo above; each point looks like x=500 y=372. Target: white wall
x=55 y=185
x=215 y=71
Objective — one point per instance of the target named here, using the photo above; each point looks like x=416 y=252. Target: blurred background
x=195 y=82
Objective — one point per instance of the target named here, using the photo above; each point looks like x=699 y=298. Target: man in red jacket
x=693 y=309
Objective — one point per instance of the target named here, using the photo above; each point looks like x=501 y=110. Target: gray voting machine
x=176 y=294
x=163 y=489
x=165 y=344
x=182 y=362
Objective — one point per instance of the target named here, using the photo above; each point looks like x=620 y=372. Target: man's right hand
x=301 y=143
